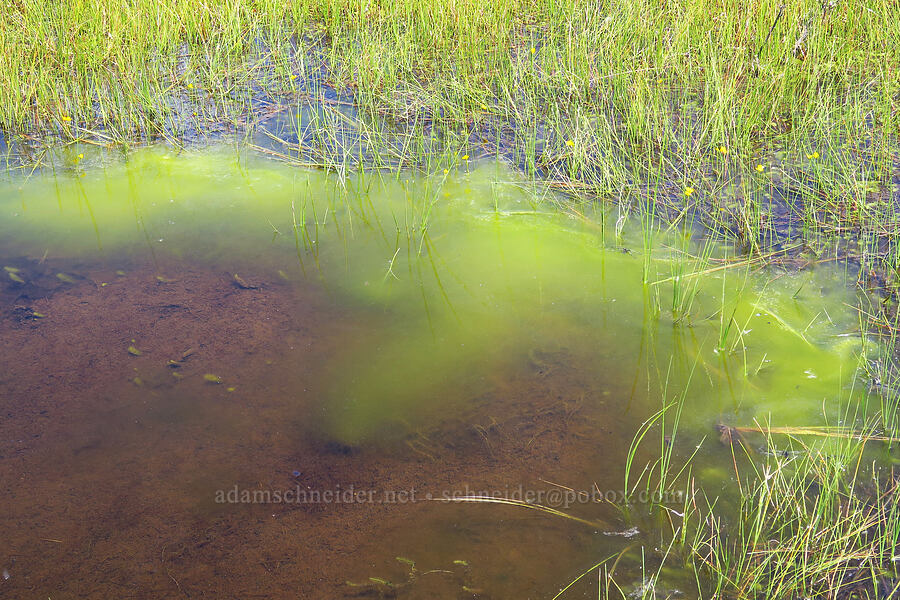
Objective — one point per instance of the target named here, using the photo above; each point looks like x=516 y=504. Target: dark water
x=229 y=378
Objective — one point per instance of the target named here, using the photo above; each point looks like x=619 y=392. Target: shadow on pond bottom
x=230 y=378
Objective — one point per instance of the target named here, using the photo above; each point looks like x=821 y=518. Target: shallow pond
x=228 y=377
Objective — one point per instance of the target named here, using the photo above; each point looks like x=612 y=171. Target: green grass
x=808 y=525
x=812 y=513
x=708 y=107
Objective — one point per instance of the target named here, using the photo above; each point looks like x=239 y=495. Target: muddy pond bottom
x=224 y=377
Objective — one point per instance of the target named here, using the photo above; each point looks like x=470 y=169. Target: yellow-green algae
x=464 y=279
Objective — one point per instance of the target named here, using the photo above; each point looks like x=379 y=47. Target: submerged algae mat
x=225 y=377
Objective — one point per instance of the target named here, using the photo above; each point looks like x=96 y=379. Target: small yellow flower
x=760 y=168
x=190 y=86
x=723 y=149
x=484 y=107
x=570 y=143
x=812 y=156
x=80 y=156
x=688 y=191
x=66 y=118
x=533 y=50
x=465 y=157
x=293 y=77
x=446 y=171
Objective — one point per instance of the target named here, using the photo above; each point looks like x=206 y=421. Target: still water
x=226 y=377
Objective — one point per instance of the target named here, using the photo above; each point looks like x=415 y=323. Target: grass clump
x=807 y=519
x=810 y=521
x=807 y=527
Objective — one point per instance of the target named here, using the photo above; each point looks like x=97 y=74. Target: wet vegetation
x=474 y=185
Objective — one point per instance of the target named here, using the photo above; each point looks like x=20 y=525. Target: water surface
x=183 y=330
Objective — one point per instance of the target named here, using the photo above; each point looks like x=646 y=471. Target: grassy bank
x=750 y=70
x=772 y=123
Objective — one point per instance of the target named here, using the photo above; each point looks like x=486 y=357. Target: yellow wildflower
x=723 y=149
x=190 y=86
x=688 y=191
x=760 y=168
x=66 y=118
x=446 y=171
x=570 y=143
x=465 y=157
x=533 y=50
x=812 y=156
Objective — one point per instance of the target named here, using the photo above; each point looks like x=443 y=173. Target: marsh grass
x=812 y=520
x=641 y=100
x=812 y=512
x=813 y=515
x=809 y=524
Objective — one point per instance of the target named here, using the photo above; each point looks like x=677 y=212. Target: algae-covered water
x=225 y=376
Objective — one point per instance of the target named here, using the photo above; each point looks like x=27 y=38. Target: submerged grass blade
x=521 y=504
